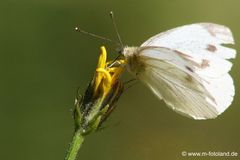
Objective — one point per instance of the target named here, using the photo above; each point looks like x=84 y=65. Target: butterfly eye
x=120 y=51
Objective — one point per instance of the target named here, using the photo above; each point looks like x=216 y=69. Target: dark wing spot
x=205 y=63
x=189 y=78
x=189 y=68
x=211 y=48
x=211 y=28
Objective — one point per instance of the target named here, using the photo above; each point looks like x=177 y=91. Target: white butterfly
x=187 y=67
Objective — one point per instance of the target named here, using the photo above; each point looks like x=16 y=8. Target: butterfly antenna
x=116 y=29
x=95 y=36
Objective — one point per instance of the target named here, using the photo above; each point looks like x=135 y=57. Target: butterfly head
x=128 y=51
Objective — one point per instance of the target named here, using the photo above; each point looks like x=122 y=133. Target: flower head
x=101 y=94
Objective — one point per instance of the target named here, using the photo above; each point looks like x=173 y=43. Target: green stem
x=74 y=146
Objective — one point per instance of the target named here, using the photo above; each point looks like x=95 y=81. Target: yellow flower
x=107 y=73
x=101 y=94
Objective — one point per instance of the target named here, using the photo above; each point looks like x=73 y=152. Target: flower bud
x=101 y=95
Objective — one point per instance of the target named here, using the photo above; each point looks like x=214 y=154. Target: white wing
x=197 y=41
x=179 y=83
x=187 y=68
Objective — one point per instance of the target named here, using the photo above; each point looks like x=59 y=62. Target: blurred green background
x=43 y=60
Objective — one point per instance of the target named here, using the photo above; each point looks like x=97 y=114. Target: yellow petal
x=102 y=58
x=107 y=80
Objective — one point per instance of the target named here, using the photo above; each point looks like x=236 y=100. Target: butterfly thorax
x=134 y=63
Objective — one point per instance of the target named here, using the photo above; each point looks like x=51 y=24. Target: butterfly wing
x=198 y=40
x=187 y=67
x=175 y=79
x=196 y=52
